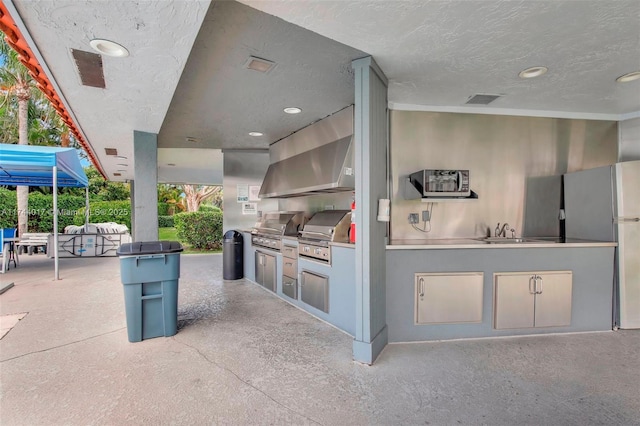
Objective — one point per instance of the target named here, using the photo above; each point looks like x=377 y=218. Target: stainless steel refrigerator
x=603 y=204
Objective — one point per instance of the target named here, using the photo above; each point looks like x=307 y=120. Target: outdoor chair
x=7 y=248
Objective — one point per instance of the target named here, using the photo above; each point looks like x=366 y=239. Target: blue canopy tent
x=29 y=165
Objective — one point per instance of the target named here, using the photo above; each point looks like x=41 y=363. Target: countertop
x=473 y=243
x=459 y=243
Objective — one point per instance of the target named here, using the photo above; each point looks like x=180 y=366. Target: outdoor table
x=9 y=246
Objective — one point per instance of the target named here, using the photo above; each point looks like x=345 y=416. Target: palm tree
x=17 y=83
x=26 y=116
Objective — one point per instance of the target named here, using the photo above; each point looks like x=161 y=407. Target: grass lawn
x=170 y=234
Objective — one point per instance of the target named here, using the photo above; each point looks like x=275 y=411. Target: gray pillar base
x=367 y=352
x=5 y=287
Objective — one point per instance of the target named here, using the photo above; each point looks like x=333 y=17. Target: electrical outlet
x=413 y=218
x=426 y=216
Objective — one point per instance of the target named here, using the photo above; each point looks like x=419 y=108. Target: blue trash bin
x=149 y=273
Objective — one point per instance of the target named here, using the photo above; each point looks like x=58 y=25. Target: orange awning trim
x=15 y=39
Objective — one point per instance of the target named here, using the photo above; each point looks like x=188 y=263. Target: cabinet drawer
x=289 y=267
x=290 y=287
x=290 y=251
x=314 y=290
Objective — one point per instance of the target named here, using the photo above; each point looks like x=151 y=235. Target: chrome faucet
x=502 y=232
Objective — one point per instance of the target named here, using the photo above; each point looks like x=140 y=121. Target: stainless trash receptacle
x=232 y=255
x=149 y=272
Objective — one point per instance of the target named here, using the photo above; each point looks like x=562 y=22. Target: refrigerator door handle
x=624 y=219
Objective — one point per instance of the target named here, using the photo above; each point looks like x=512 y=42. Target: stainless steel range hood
x=325 y=169
x=316 y=159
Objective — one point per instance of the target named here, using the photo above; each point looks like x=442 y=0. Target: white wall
x=243 y=167
x=515 y=163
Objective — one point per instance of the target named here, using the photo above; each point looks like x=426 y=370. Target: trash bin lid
x=233 y=235
x=149 y=247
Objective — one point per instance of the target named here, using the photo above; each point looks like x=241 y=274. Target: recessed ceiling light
x=292 y=110
x=122 y=164
x=122 y=157
x=171 y=164
x=533 y=72
x=628 y=77
x=120 y=170
x=259 y=64
x=191 y=139
x=255 y=134
x=109 y=48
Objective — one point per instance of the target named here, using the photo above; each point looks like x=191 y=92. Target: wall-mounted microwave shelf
x=411 y=193
x=473 y=196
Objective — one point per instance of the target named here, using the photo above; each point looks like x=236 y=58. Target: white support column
x=144 y=204
x=371 y=134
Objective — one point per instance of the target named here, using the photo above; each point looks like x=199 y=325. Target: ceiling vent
x=89 y=67
x=259 y=64
x=111 y=151
x=482 y=99
x=117 y=174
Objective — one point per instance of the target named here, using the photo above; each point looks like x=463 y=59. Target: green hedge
x=165 y=222
x=106 y=211
x=163 y=209
x=209 y=208
x=40 y=210
x=201 y=230
x=8 y=209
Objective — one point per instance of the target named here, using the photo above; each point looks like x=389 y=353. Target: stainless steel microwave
x=442 y=183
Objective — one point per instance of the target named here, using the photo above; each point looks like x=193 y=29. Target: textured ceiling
x=439 y=53
x=158 y=35
x=185 y=76
x=219 y=101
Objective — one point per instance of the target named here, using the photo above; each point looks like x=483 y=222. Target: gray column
x=371 y=135
x=132 y=194
x=629 y=140
x=144 y=205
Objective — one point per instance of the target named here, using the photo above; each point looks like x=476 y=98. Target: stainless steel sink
x=505 y=240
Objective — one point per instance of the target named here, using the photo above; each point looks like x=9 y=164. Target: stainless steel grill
x=272 y=226
x=324 y=227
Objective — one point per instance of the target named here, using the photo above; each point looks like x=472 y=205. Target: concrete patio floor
x=243 y=356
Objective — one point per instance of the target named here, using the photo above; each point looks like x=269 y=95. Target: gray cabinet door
x=269 y=281
x=449 y=297
x=514 y=301
x=553 y=301
x=259 y=266
x=532 y=299
x=314 y=290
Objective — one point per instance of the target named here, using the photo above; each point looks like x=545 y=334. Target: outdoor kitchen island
x=331 y=294
x=443 y=289
x=466 y=288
